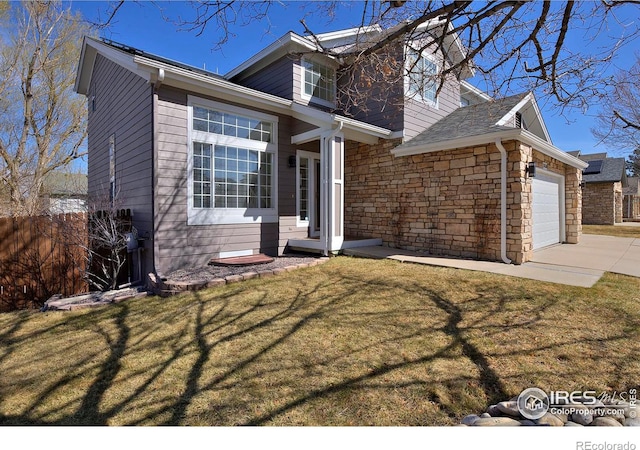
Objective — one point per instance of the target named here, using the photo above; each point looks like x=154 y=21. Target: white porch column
x=332 y=191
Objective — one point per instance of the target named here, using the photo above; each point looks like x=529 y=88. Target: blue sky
x=141 y=25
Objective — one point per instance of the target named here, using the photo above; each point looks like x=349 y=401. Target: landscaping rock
x=572 y=424
x=496 y=422
x=470 y=419
x=233 y=278
x=582 y=416
x=550 y=420
x=509 y=408
x=600 y=414
x=216 y=282
x=605 y=422
x=632 y=422
x=494 y=411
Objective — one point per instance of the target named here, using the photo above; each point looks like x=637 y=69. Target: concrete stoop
x=166 y=288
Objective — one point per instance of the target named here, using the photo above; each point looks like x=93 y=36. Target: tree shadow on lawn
x=239 y=363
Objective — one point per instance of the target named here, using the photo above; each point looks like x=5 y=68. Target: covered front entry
x=320 y=193
x=547 y=209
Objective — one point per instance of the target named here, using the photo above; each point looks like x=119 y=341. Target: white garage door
x=546 y=205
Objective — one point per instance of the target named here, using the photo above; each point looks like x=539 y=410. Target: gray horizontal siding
x=123 y=103
x=418 y=115
x=179 y=245
x=380 y=94
x=276 y=78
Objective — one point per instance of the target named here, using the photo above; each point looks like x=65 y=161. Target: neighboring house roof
x=59 y=184
x=161 y=71
x=485 y=123
x=602 y=169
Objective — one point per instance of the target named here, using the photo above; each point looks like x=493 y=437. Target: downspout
x=503 y=202
x=159 y=80
x=327 y=169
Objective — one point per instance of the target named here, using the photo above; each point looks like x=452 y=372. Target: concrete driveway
x=580 y=264
x=594 y=253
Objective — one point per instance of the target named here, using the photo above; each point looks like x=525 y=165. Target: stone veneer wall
x=447 y=202
x=599 y=204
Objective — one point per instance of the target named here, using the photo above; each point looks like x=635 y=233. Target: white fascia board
x=508 y=116
x=227 y=90
x=90 y=48
x=551 y=150
x=273 y=52
x=307 y=136
x=528 y=99
x=453 y=41
x=540 y=119
x=327 y=120
x=474 y=90
x=194 y=81
x=341 y=34
x=489 y=138
x=84 y=69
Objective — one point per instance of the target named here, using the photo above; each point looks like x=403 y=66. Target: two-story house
x=276 y=154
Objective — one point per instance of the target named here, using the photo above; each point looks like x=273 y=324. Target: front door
x=308 y=192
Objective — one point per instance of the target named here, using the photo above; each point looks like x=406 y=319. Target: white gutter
x=503 y=202
x=503 y=135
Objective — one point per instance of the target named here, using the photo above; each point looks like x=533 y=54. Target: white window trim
x=311 y=156
x=418 y=96
x=313 y=99
x=230 y=216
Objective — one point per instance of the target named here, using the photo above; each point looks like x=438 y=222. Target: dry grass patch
x=612 y=230
x=352 y=342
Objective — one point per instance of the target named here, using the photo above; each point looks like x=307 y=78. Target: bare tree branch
x=42 y=122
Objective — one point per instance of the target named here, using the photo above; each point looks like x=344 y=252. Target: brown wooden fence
x=40 y=257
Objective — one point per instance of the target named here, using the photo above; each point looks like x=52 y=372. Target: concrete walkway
x=575 y=265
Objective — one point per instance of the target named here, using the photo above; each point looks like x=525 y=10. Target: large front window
x=422 y=74
x=232 y=165
x=319 y=81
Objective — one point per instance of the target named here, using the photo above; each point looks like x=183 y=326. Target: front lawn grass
x=351 y=342
x=612 y=230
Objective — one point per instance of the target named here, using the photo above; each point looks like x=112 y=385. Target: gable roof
x=340 y=42
x=485 y=123
x=602 y=169
x=468 y=121
x=162 y=71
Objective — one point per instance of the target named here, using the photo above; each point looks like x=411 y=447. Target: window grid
x=422 y=76
x=242 y=178
x=319 y=81
x=304 y=189
x=201 y=175
x=226 y=124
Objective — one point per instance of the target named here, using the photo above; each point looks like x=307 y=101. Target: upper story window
x=422 y=72
x=232 y=160
x=319 y=82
